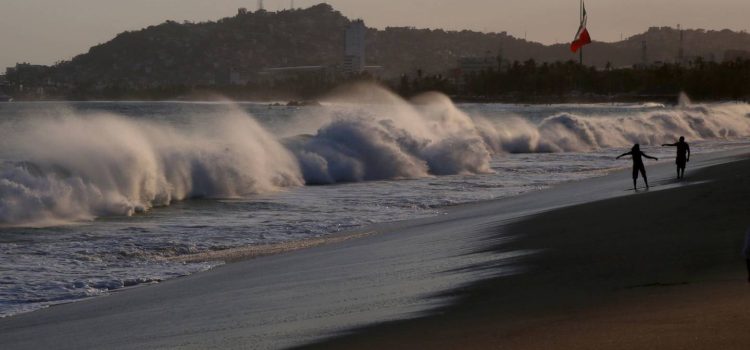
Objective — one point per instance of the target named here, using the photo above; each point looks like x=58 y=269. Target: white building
x=354 y=52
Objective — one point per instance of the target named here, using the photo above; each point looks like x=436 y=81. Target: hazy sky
x=45 y=31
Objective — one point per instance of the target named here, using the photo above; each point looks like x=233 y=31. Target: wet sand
x=598 y=267
x=656 y=270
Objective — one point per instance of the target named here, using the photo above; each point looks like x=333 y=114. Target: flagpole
x=580 y=15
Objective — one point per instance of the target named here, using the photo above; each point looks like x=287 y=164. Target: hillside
x=208 y=53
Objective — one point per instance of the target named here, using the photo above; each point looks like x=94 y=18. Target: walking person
x=683 y=155
x=746 y=252
x=638 y=164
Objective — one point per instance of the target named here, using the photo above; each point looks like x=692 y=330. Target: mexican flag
x=582 y=36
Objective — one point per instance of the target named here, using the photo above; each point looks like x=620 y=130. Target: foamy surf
x=78 y=167
x=73 y=166
x=64 y=165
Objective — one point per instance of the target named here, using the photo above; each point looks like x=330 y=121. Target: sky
x=46 y=31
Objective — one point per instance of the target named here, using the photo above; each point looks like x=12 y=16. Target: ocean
x=98 y=196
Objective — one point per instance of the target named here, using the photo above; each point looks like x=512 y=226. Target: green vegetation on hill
x=227 y=56
x=571 y=82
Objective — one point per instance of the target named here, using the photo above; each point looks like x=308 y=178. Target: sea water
x=97 y=196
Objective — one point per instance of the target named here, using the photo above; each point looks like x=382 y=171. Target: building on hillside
x=476 y=64
x=473 y=65
x=25 y=75
x=354 y=48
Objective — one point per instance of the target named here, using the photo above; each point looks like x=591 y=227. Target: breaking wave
x=572 y=133
x=78 y=167
x=391 y=139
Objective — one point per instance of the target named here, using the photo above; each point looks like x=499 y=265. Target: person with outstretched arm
x=683 y=155
x=638 y=164
x=746 y=252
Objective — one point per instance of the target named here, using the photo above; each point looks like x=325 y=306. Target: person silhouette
x=683 y=155
x=746 y=252
x=638 y=164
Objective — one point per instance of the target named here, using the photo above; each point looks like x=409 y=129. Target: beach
x=365 y=175
x=656 y=270
x=586 y=264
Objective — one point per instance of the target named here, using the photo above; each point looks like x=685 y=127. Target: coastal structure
x=354 y=52
x=3 y=87
x=477 y=64
x=681 y=48
x=354 y=61
x=472 y=65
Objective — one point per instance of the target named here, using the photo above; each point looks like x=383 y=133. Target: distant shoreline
x=530 y=100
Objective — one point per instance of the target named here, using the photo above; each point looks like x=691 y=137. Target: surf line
x=256 y=251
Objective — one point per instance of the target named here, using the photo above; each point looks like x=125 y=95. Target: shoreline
x=249 y=252
x=657 y=281
x=553 y=100
x=395 y=240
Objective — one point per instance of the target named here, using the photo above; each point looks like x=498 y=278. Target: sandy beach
x=658 y=270
x=587 y=264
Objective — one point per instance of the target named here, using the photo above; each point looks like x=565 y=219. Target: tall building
x=681 y=50
x=354 y=52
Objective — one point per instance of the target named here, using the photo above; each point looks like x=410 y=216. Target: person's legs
x=643 y=173
x=681 y=168
x=635 y=177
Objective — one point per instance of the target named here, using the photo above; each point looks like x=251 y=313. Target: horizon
x=86 y=23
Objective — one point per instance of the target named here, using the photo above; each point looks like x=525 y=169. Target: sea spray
x=372 y=134
x=75 y=167
x=78 y=166
x=567 y=132
x=43 y=266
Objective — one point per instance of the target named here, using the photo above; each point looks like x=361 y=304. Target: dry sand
x=654 y=270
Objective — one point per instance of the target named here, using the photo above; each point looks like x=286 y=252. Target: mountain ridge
x=207 y=53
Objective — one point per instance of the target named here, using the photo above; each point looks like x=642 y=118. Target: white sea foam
x=80 y=166
x=75 y=167
x=388 y=138
x=59 y=165
x=372 y=134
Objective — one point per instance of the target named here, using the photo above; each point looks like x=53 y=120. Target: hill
x=217 y=52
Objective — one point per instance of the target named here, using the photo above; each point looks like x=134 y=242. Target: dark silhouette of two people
x=638 y=166
x=683 y=155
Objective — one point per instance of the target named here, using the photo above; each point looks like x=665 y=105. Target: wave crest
x=78 y=167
